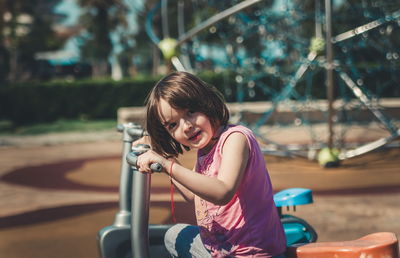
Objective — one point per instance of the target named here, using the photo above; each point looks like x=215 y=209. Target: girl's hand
x=149 y=157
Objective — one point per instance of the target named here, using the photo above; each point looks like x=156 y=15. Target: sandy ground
x=55 y=195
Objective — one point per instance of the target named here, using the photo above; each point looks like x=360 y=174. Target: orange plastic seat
x=376 y=245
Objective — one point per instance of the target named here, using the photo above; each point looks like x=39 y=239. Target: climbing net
x=275 y=51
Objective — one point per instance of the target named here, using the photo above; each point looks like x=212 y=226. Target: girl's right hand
x=149 y=157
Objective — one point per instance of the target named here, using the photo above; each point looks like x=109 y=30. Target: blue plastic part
x=293 y=197
x=297 y=230
x=295 y=233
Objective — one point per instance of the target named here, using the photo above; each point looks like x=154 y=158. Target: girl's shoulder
x=233 y=129
x=237 y=128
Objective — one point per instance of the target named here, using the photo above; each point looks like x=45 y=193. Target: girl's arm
x=219 y=190
x=186 y=193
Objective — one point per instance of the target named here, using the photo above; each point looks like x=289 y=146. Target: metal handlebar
x=133 y=130
x=131 y=158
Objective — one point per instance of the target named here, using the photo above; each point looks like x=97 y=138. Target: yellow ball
x=317 y=45
x=328 y=157
x=168 y=47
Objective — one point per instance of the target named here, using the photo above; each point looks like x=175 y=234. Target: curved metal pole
x=214 y=19
x=148 y=24
x=370 y=146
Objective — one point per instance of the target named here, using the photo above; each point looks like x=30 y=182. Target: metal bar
x=216 y=18
x=181 y=20
x=140 y=214
x=177 y=64
x=164 y=17
x=318 y=25
x=122 y=218
x=369 y=147
x=185 y=64
x=366 y=101
x=288 y=89
x=365 y=27
x=329 y=69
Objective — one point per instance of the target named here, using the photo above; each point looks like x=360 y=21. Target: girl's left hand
x=149 y=157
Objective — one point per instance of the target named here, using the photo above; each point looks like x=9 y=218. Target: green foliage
x=33 y=103
x=36 y=102
x=58 y=126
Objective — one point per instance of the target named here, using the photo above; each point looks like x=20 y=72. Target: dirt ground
x=55 y=197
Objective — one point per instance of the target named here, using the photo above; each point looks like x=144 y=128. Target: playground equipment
x=274 y=58
x=382 y=244
x=131 y=235
x=131 y=221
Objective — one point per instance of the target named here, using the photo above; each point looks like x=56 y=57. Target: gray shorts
x=183 y=240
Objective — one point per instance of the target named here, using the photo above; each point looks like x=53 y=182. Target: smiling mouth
x=193 y=137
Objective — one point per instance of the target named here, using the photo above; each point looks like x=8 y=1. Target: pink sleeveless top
x=249 y=225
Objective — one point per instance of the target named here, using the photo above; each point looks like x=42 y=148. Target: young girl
x=229 y=185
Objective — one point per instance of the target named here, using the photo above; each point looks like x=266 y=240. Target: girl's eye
x=171 y=126
x=190 y=112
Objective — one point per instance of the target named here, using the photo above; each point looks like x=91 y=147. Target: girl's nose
x=187 y=125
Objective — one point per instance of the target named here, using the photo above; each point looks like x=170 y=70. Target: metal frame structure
x=330 y=66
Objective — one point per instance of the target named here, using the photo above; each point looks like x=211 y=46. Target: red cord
x=171 y=190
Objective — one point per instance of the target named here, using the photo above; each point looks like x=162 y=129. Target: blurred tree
x=25 y=29
x=100 y=18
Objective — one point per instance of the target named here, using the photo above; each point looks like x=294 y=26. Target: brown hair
x=182 y=90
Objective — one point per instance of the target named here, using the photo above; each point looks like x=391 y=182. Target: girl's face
x=192 y=129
